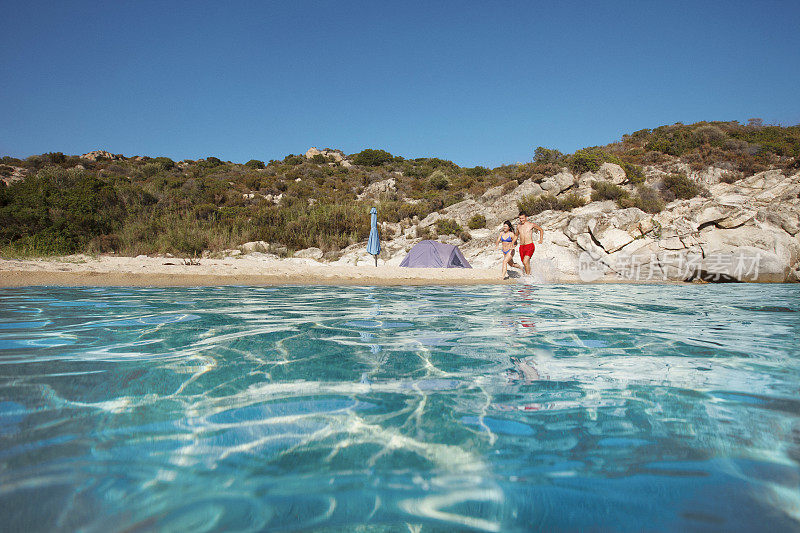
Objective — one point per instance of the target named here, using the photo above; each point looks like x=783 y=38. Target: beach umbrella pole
x=374 y=243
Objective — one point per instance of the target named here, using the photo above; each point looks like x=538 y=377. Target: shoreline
x=132 y=279
x=81 y=270
x=144 y=271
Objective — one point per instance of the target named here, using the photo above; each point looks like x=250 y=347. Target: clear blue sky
x=476 y=82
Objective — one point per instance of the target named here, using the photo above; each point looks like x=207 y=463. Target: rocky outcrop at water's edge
x=748 y=230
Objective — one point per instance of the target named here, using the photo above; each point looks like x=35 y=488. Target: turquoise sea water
x=496 y=408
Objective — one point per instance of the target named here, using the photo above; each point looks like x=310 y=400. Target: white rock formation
x=379 y=188
x=98 y=154
x=748 y=230
x=254 y=246
x=309 y=253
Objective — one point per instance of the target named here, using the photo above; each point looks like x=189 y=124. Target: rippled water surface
x=502 y=408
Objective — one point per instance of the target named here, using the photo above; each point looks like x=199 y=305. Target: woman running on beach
x=507 y=241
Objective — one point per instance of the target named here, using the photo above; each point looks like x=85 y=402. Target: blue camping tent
x=434 y=254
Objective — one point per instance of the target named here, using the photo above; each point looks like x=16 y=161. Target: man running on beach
x=525 y=235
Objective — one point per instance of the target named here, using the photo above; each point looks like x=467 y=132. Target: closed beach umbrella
x=374 y=243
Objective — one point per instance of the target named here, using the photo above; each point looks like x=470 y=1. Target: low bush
x=477 y=221
x=448 y=226
x=423 y=232
x=590 y=160
x=646 y=198
x=533 y=205
x=477 y=172
x=151 y=169
x=509 y=186
x=547 y=155
x=438 y=180
x=604 y=190
x=255 y=164
x=294 y=160
x=633 y=173
x=570 y=202
x=165 y=162
x=679 y=186
x=372 y=158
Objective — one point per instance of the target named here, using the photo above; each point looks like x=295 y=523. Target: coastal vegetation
x=533 y=205
x=55 y=203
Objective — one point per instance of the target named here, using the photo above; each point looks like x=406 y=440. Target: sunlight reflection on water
x=497 y=408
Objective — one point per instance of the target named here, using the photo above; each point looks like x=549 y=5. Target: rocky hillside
x=746 y=230
x=712 y=200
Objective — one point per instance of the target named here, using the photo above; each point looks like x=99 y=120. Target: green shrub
x=672 y=140
x=53 y=158
x=205 y=211
x=326 y=225
x=372 y=158
x=151 y=169
x=477 y=221
x=708 y=134
x=533 y=205
x=319 y=159
x=423 y=232
x=448 y=226
x=165 y=162
x=547 y=155
x=604 y=190
x=477 y=172
x=647 y=199
x=546 y=169
x=294 y=160
x=233 y=212
x=438 y=180
x=57 y=211
x=255 y=164
x=587 y=160
x=775 y=139
x=184 y=238
x=679 y=186
x=395 y=211
x=570 y=202
x=633 y=173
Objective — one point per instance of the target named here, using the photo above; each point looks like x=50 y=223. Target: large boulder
x=97 y=155
x=558 y=183
x=379 y=188
x=336 y=156
x=611 y=172
x=309 y=253
x=254 y=246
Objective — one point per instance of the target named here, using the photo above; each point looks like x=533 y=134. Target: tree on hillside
x=546 y=155
x=372 y=158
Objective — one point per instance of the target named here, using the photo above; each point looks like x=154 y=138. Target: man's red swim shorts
x=526 y=250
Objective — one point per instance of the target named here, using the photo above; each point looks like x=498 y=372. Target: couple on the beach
x=507 y=242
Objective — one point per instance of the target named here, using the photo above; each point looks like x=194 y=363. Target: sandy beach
x=81 y=270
